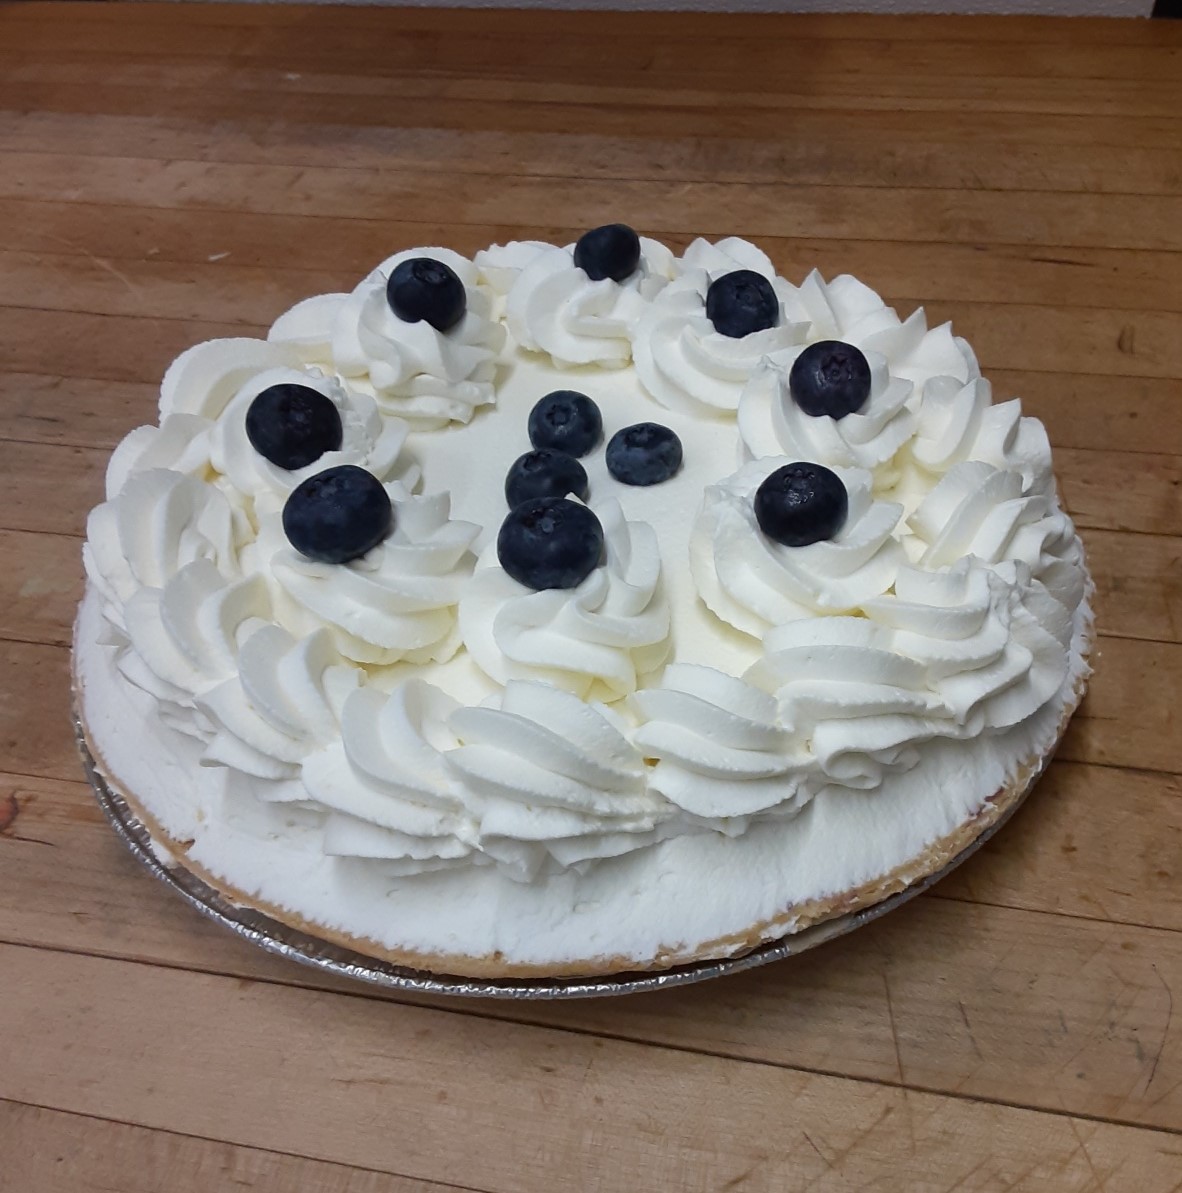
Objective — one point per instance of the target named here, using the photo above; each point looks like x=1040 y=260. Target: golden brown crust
x=791 y=920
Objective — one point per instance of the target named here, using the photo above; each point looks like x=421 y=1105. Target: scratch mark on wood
x=891 y=1016
x=9 y=811
x=969 y=1028
x=1166 y=1030
x=815 y=1148
x=1086 y=1154
x=1125 y=341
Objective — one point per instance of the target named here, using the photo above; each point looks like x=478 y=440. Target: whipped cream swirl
x=533 y=782
x=771 y=423
x=384 y=786
x=752 y=582
x=847 y=309
x=959 y=422
x=554 y=307
x=980 y=510
x=368 y=440
x=181 y=640
x=722 y=755
x=681 y=360
x=283 y=701
x=397 y=602
x=151 y=528
x=952 y=654
x=597 y=637
x=555 y=780
x=426 y=376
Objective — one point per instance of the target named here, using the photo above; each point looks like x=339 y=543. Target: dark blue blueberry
x=293 y=425
x=830 y=378
x=550 y=542
x=741 y=302
x=643 y=454
x=567 y=421
x=611 y=251
x=421 y=288
x=800 y=504
x=338 y=514
x=544 y=473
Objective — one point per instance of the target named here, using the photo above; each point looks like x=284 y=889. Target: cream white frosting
x=959 y=422
x=681 y=360
x=396 y=603
x=771 y=422
x=979 y=510
x=951 y=654
x=752 y=582
x=597 y=637
x=356 y=696
x=425 y=376
x=552 y=306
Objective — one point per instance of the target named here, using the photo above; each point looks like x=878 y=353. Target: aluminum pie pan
x=268 y=934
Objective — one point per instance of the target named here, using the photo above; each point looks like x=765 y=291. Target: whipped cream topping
x=396 y=603
x=425 y=376
x=721 y=753
x=596 y=638
x=752 y=582
x=954 y=654
x=771 y=423
x=959 y=422
x=552 y=305
x=283 y=701
x=979 y=510
x=292 y=677
x=847 y=309
x=157 y=522
x=681 y=360
x=367 y=440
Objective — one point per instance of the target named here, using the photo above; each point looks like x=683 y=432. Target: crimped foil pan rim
x=277 y=938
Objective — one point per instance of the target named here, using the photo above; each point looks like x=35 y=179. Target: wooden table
x=173 y=173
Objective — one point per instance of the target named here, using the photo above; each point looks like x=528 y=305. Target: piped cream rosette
x=426 y=376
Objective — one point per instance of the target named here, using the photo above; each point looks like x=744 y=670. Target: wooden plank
x=1092 y=341
x=61 y=253
x=1151 y=222
x=54 y=1152
x=69 y=122
x=388 y=1062
x=701 y=25
x=1138 y=584
x=1130 y=715
x=606 y=48
x=357 y=104
x=40 y=586
x=74 y=411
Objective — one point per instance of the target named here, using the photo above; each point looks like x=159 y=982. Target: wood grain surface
x=169 y=173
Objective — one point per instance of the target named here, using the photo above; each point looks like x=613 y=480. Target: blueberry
x=292 y=425
x=741 y=302
x=567 y=421
x=422 y=288
x=643 y=454
x=550 y=542
x=611 y=251
x=801 y=503
x=830 y=377
x=337 y=515
x=544 y=473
